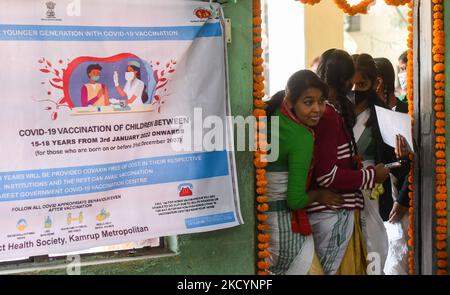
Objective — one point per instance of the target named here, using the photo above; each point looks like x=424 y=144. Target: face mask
x=129 y=76
x=95 y=78
x=351 y=96
x=361 y=96
x=402 y=80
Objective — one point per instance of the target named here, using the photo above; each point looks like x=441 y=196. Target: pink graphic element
x=185 y=191
x=162 y=76
x=77 y=61
x=55 y=83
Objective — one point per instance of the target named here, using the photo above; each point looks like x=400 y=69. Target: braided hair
x=337 y=69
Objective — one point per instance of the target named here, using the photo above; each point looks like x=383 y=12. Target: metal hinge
x=228 y=30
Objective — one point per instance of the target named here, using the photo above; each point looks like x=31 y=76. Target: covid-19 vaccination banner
x=102 y=134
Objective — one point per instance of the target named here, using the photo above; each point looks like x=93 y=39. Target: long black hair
x=337 y=69
x=144 y=96
x=298 y=83
x=387 y=73
x=365 y=65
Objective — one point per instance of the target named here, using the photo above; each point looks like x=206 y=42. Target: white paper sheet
x=392 y=123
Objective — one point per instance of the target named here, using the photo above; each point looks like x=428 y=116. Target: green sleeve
x=299 y=161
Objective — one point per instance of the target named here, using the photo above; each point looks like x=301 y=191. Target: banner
x=106 y=124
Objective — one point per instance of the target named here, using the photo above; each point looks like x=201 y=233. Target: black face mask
x=361 y=96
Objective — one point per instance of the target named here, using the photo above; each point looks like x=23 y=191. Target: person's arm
x=121 y=92
x=84 y=99
x=403 y=198
x=327 y=172
x=106 y=94
x=131 y=99
x=299 y=162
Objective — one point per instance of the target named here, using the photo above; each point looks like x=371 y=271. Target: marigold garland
x=410 y=96
x=259 y=160
x=360 y=8
x=438 y=51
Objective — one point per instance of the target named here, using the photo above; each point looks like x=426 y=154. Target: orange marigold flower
x=261 y=217
x=262 y=207
x=263 y=254
x=440 y=154
x=438 y=107
x=441 y=205
x=440 y=169
x=439 y=77
x=260 y=125
x=258 y=51
x=258 y=69
x=442 y=222
x=441 y=189
x=438 y=57
x=441 y=230
x=257 y=21
x=257 y=30
x=258 y=94
x=258 y=78
x=438 y=49
x=439 y=100
x=262 y=199
x=440 y=115
x=441 y=255
x=438 y=7
x=258 y=61
x=441 y=197
x=261 y=171
x=260 y=86
x=441 y=245
x=439 y=92
x=263 y=265
x=440 y=131
x=263 y=238
x=439 y=67
x=439 y=123
x=442 y=263
x=259 y=113
x=262 y=246
x=258 y=103
x=441 y=213
x=261 y=177
x=263 y=227
x=263 y=273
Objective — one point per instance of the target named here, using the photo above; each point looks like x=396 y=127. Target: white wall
x=286 y=41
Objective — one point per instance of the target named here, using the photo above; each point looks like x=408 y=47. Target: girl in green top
x=298 y=109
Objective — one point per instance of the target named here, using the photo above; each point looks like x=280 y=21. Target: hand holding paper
x=393 y=123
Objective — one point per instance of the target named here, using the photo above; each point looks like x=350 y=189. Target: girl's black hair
x=365 y=64
x=298 y=83
x=337 y=69
x=386 y=72
x=144 y=96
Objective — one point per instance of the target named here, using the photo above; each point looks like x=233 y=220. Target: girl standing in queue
x=298 y=109
x=338 y=237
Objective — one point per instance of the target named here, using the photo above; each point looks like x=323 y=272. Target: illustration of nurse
x=134 y=90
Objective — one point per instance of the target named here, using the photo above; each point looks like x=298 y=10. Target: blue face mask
x=95 y=78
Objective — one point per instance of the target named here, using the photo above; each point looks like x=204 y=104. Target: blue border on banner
x=209 y=220
x=58 y=182
x=10 y=32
